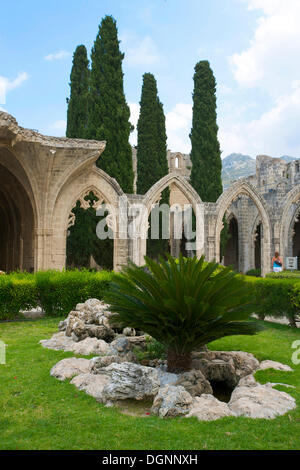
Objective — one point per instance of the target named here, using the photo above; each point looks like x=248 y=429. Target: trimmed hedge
x=277 y=296
x=55 y=292
x=285 y=275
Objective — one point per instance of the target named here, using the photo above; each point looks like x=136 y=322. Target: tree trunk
x=178 y=363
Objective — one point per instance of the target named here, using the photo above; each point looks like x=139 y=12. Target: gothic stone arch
x=290 y=211
x=241 y=188
x=151 y=197
x=76 y=188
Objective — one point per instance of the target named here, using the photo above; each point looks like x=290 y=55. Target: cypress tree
x=77 y=114
x=152 y=139
x=108 y=110
x=205 y=154
x=152 y=162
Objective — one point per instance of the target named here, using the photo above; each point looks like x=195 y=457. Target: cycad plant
x=184 y=304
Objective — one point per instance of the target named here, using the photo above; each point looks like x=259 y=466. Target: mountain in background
x=237 y=165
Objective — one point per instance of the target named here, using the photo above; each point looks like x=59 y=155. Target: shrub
x=285 y=275
x=56 y=292
x=16 y=293
x=254 y=272
x=182 y=305
x=277 y=297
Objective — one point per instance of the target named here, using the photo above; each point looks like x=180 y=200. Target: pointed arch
x=239 y=188
x=290 y=211
x=76 y=188
x=152 y=196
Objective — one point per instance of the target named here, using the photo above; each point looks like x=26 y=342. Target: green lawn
x=40 y=412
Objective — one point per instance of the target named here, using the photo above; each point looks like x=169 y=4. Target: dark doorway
x=296 y=240
x=231 y=256
x=257 y=247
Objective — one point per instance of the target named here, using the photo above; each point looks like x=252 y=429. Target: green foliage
x=285 y=275
x=205 y=154
x=82 y=241
x=56 y=292
x=77 y=115
x=277 y=297
x=154 y=350
x=182 y=304
x=152 y=162
x=224 y=237
x=254 y=272
x=17 y=293
x=108 y=111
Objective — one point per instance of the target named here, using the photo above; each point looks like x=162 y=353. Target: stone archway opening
x=84 y=247
x=177 y=220
x=258 y=246
x=247 y=206
x=231 y=255
x=16 y=225
x=296 y=238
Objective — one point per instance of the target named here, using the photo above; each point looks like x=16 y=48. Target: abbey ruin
x=42 y=178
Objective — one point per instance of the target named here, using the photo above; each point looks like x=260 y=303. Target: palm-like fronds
x=182 y=304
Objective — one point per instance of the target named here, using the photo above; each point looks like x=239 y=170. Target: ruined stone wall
x=41 y=178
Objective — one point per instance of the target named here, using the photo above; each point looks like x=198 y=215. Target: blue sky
x=253 y=47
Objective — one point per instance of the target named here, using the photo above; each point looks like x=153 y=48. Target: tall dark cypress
x=205 y=154
x=77 y=114
x=108 y=110
x=152 y=162
x=152 y=139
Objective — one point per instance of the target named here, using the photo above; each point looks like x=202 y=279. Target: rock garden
x=217 y=383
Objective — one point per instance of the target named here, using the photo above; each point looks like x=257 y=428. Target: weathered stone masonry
x=41 y=178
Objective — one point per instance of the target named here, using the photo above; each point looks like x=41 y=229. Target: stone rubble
x=208 y=408
x=171 y=401
x=92 y=384
x=128 y=380
x=260 y=401
x=274 y=365
x=67 y=368
x=115 y=374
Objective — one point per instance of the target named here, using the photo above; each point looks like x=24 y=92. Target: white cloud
x=275 y=132
x=178 y=125
x=57 y=56
x=7 y=85
x=270 y=61
x=58 y=128
x=134 y=116
x=143 y=53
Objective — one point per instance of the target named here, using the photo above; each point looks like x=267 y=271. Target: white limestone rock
x=248 y=381
x=171 y=401
x=86 y=347
x=274 y=365
x=208 y=408
x=129 y=331
x=92 y=384
x=58 y=342
x=260 y=402
x=67 y=368
x=195 y=383
x=129 y=380
x=90 y=346
x=166 y=378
